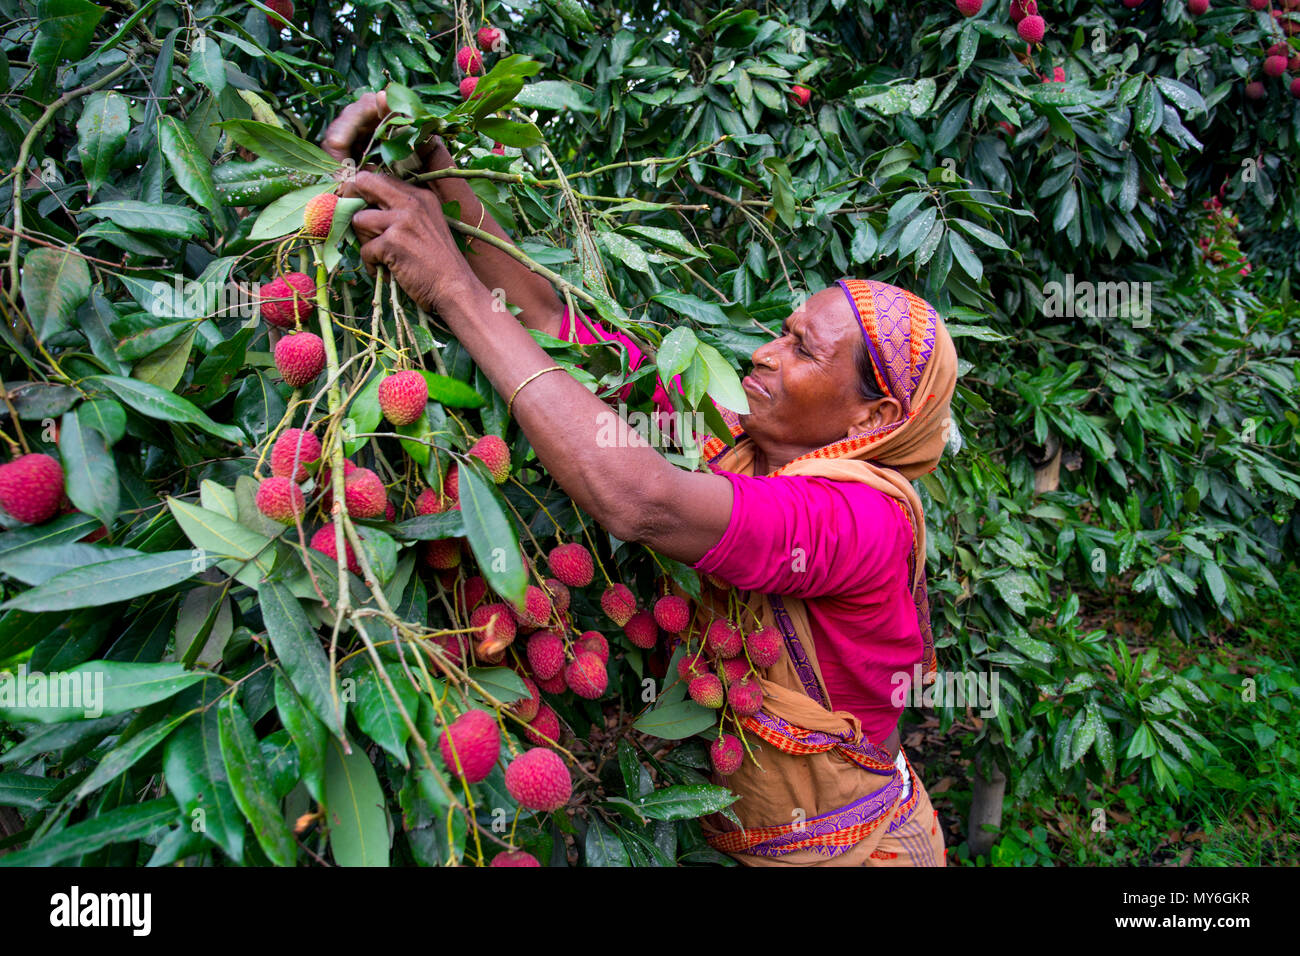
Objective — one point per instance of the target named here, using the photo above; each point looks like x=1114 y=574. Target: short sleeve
x=808 y=536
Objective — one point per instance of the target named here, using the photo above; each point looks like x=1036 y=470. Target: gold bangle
x=511 y=404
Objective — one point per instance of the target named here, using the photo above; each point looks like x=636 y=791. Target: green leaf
x=105 y=416
x=677 y=721
x=298 y=649
x=191 y=168
x=101 y=134
x=36 y=565
x=602 y=847
x=154 y=402
x=451 y=392
x=152 y=218
x=250 y=783
x=123 y=825
x=107 y=688
x=502 y=683
x=510 y=133
x=54 y=284
x=284 y=216
x=107 y=582
x=724 y=383
x=257 y=182
x=90 y=472
x=684 y=802
x=252 y=554
x=206 y=63
x=554 y=95
x=25 y=790
x=377 y=714
x=309 y=735
x=491 y=536
x=675 y=352
x=196 y=778
x=358 y=826
x=447 y=524
x=279 y=146
x=58 y=530
x=126 y=755
x=63 y=32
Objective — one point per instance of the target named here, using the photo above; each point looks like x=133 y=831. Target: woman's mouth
x=754 y=385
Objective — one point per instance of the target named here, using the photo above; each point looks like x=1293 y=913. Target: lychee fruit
x=1280 y=48
x=706 y=690
x=553 y=685
x=472 y=591
x=1275 y=65
x=537 y=608
x=442 y=553
x=586 y=675
x=1255 y=90
x=745 y=697
x=469 y=60
x=402 y=397
x=498 y=149
x=429 y=502
x=318 y=215
x=642 y=630
x=31 y=487
x=1032 y=28
x=801 y=95
x=572 y=564
x=489 y=39
x=526 y=707
x=280 y=499
x=1197 y=7
x=467 y=87
x=282 y=16
x=364 y=494
x=502 y=622
x=495 y=453
x=733 y=669
x=764 y=646
x=545 y=654
x=451 y=484
x=618 y=604
x=514 y=858
x=724 y=639
x=691 y=665
x=294 y=443
x=544 y=729
x=476 y=741
x=300 y=358
x=1259 y=4
x=1295 y=87
x=323 y=541
x=969 y=8
x=726 y=754
x=539 y=780
x=288 y=300
x=672 y=613
x=1022 y=8
x=595 y=643
x=560 y=596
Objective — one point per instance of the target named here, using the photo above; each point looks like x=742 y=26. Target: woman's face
x=803 y=391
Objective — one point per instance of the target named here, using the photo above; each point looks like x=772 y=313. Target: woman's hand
x=355 y=124
x=408 y=235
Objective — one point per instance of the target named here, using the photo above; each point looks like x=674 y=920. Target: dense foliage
x=1106 y=220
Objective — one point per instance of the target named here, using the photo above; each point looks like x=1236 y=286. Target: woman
x=808 y=518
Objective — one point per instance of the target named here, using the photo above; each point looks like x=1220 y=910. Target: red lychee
x=526 y=707
x=363 y=492
x=723 y=639
x=1295 y=87
x=618 y=604
x=502 y=630
x=1032 y=29
x=691 y=665
x=969 y=8
x=537 y=608
x=280 y=499
x=672 y=613
x=490 y=38
x=595 y=643
x=514 y=858
x=31 y=487
x=586 y=675
x=1255 y=90
x=1197 y=7
x=1022 y=8
x=745 y=697
x=642 y=630
x=300 y=358
x=544 y=729
x=323 y=541
x=469 y=60
x=288 y=300
x=546 y=654
x=495 y=453
x=553 y=685
x=572 y=564
x=472 y=591
x=283 y=15
x=476 y=740
x=318 y=215
x=1275 y=65
x=467 y=87
x=726 y=754
x=559 y=595
x=733 y=669
x=706 y=690
x=429 y=502
x=764 y=646
x=498 y=149
x=402 y=397
x=294 y=443
x=539 y=780
x=442 y=553
x=801 y=95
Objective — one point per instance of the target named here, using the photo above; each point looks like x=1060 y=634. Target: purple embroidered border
x=803 y=667
x=862 y=810
x=816 y=738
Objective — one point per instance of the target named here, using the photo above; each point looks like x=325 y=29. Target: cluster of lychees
x=1279 y=60
x=469 y=59
x=1220 y=245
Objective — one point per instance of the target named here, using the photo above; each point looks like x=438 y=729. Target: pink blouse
x=839 y=546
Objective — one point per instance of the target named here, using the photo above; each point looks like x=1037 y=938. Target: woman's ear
x=876 y=414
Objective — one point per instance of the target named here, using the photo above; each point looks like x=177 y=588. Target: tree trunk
x=1047 y=473
x=985 y=807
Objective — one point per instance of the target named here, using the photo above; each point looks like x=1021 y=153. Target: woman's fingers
x=369 y=223
x=357 y=120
